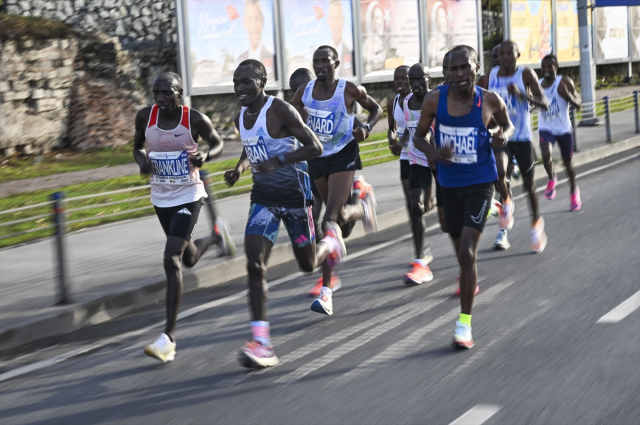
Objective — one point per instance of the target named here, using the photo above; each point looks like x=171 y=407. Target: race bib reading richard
x=463 y=142
x=256 y=149
x=170 y=167
x=321 y=123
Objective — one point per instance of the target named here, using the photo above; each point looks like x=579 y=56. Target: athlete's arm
x=232 y=176
x=292 y=124
x=297 y=102
x=392 y=135
x=213 y=146
x=427 y=115
x=567 y=90
x=530 y=80
x=354 y=93
x=139 y=154
x=497 y=110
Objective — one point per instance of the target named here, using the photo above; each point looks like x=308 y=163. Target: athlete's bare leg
x=195 y=249
x=545 y=149
x=257 y=249
x=467 y=247
x=501 y=164
x=407 y=195
x=529 y=184
x=571 y=173
x=442 y=220
x=418 y=208
x=173 y=251
x=311 y=255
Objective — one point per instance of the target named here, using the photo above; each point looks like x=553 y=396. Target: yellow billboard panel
x=531 y=29
x=567 y=27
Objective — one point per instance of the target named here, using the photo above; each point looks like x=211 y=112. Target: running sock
x=422 y=262
x=331 y=242
x=326 y=291
x=465 y=319
x=261 y=332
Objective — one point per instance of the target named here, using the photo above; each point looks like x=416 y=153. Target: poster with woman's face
x=611 y=33
x=450 y=23
x=223 y=34
x=531 y=29
x=635 y=30
x=309 y=24
x=390 y=35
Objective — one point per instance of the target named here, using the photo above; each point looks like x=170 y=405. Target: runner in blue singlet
x=466 y=165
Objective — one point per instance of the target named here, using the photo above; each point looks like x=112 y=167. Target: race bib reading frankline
x=321 y=123
x=256 y=149
x=170 y=167
x=463 y=142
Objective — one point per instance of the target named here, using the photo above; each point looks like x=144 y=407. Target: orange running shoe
x=419 y=274
x=336 y=284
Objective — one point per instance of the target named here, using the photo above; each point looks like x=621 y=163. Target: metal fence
x=54 y=217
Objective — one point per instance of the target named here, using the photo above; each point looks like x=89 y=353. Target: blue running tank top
x=473 y=161
x=517 y=108
x=287 y=186
x=329 y=119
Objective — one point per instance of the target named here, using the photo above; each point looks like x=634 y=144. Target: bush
x=15 y=26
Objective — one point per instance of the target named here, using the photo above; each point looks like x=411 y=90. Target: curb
x=110 y=306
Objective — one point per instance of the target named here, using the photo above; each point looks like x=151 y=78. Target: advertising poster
x=612 y=38
x=450 y=23
x=224 y=33
x=531 y=29
x=635 y=30
x=390 y=35
x=308 y=24
x=567 y=27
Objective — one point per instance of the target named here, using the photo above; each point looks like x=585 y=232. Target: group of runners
x=304 y=157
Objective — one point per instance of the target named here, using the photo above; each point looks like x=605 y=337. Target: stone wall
x=492 y=23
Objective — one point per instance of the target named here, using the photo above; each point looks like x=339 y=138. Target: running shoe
x=496 y=207
x=334 y=258
x=516 y=172
x=550 y=191
x=225 y=241
x=336 y=284
x=576 y=202
x=502 y=243
x=162 y=349
x=419 y=274
x=324 y=303
x=458 y=289
x=462 y=336
x=538 y=237
x=364 y=188
x=506 y=216
x=256 y=355
x=369 y=216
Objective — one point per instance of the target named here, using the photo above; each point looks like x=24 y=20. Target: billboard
x=611 y=36
x=567 y=31
x=390 y=35
x=223 y=34
x=308 y=24
x=450 y=23
x=634 y=15
x=531 y=29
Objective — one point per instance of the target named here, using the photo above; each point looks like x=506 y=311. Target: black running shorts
x=419 y=177
x=181 y=220
x=466 y=206
x=404 y=169
x=524 y=154
x=348 y=159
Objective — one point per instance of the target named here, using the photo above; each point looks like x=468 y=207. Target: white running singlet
x=555 y=120
x=398 y=117
x=411 y=118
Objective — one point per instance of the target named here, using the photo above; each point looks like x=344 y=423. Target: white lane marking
x=374 y=333
x=415 y=341
x=627 y=307
x=477 y=415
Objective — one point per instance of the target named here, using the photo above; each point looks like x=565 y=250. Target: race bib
x=170 y=167
x=256 y=149
x=463 y=142
x=412 y=126
x=321 y=123
x=552 y=113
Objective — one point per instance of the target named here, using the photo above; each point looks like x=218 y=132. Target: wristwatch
x=367 y=126
x=281 y=159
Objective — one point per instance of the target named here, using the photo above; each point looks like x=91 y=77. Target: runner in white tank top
x=554 y=126
x=169 y=133
x=269 y=128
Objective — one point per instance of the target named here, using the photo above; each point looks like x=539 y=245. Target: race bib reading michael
x=170 y=167
x=321 y=123
x=256 y=149
x=463 y=142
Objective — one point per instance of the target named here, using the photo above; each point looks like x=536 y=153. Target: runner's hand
x=268 y=165
x=514 y=90
x=445 y=154
x=145 y=168
x=198 y=158
x=231 y=177
x=360 y=134
x=396 y=149
x=498 y=141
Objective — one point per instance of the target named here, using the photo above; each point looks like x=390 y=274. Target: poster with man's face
x=612 y=37
x=223 y=34
x=634 y=13
x=309 y=24
x=390 y=35
x=450 y=23
x=567 y=27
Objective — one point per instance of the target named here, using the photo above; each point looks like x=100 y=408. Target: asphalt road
x=541 y=354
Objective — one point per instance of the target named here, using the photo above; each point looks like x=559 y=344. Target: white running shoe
x=502 y=243
x=324 y=303
x=538 y=237
x=254 y=354
x=369 y=216
x=162 y=349
x=226 y=244
x=462 y=336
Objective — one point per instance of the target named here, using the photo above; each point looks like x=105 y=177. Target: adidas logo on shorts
x=184 y=211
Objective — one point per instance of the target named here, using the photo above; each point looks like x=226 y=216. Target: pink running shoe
x=550 y=191
x=255 y=354
x=576 y=202
x=335 y=256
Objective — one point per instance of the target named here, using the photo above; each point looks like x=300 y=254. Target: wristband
x=367 y=126
x=281 y=159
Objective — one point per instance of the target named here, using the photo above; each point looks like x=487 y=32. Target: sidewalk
x=118 y=267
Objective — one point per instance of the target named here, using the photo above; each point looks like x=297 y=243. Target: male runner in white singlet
x=326 y=105
x=554 y=126
x=170 y=132
x=269 y=128
x=513 y=84
x=466 y=165
x=397 y=126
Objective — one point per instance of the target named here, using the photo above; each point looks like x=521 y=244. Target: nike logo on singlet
x=479 y=102
x=178 y=135
x=477 y=219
